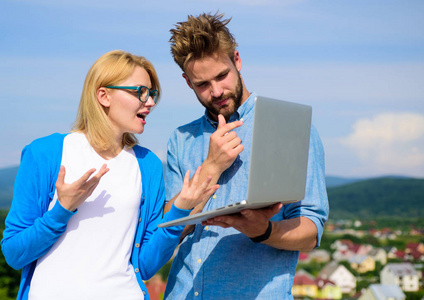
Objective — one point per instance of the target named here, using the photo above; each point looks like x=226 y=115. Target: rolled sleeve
x=315 y=204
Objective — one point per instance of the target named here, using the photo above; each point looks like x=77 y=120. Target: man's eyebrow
x=223 y=72
x=198 y=82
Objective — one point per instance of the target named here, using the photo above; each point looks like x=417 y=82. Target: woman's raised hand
x=194 y=192
x=74 y=194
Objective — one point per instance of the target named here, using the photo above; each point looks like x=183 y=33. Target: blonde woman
x=81 y=234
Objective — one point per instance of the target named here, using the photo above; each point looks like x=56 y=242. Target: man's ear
x=102 y=97
x=237 y=60
x=187 y=80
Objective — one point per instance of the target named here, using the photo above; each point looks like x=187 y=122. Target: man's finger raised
x=230 y=126
x=221 y=121
x=224 y=128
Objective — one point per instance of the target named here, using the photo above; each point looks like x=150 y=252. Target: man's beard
x=231 y=107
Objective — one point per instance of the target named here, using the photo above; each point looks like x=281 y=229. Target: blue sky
x=359 y=64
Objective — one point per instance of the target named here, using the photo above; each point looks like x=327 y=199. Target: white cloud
x=389 y=143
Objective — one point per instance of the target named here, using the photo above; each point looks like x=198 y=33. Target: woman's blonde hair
x=110 y=69
x=201 y=36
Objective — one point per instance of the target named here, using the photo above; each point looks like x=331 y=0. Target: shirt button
x=199 y=261
x=136 y=270
x=196 y=294
x=214 y=197
x=139 y=220
x=206 y=228
x=144 y=293
x=137 y=245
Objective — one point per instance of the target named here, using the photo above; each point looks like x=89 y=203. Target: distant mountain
x=379 y=197
x=7 y=178
x=333 y=181
x=348 y=197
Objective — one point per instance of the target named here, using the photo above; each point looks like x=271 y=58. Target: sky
x=358 y=63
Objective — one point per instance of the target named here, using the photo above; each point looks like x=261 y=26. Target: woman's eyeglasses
x=143 y=92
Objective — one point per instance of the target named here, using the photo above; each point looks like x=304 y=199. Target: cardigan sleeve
x=31 y=230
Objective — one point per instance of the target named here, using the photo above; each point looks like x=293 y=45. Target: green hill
x=333 y=181
x=349 y=198
x=380 y=197
x=7 y=178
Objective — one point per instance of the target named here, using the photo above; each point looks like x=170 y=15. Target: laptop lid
x=279 y=154
x=278 y=158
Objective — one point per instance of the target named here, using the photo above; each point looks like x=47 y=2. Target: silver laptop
x=278 y=159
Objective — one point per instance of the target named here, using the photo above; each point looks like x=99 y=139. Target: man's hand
x=251 y=222
x=224 y=146
x=296 y=234
x=74 y=194
x=194 y=193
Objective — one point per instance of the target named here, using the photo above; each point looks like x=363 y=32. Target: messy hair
x=201 y=36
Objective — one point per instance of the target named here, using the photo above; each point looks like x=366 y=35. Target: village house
x=303 y=257
x=362 y=263
x=382 y=292
x=328 y=289
x=394 y=253
x=346 y=249
x=416 y=232
x=341 y=245
x=415 y=246
x=402 y=274
x=319 y=255
x=385 y=233
x=379 y=255
x=342 y=255
x=391 y=252
x=304 y=285
x=340 y=275
x=414 y=251
x=361 y=249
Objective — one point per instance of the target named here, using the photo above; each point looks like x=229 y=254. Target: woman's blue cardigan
x=32 y=229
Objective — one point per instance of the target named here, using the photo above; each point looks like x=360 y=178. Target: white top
x=91 y=260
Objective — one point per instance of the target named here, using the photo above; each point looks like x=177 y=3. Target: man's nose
x=216 y=90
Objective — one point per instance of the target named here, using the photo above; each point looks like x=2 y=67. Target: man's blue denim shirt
x=218 y=263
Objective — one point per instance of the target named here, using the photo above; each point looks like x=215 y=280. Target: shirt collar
x=241 y=112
